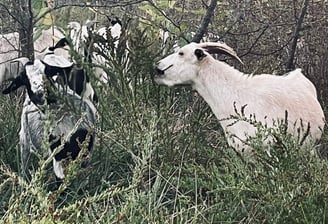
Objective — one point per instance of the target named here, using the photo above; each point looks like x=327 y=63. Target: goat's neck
x=220 y=85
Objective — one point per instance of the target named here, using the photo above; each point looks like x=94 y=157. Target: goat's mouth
x=161 y=72
x=37 y=99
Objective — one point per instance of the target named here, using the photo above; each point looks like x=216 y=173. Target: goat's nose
x=159 y=71
x=40 y=95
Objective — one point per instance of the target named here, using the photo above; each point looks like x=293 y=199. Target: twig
x=298 y=28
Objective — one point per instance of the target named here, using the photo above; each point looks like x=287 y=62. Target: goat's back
x=65 y=116
x=271 y=99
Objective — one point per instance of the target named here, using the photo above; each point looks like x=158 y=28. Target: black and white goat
x=52 y=114
x=71 y=75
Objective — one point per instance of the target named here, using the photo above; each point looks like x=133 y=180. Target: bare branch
x=41 y=16
x=165 y=16
x=14 y=17
x=100 y=3
x=256 y=40
x=268 y=53
x=206 y=20
x=298 y=28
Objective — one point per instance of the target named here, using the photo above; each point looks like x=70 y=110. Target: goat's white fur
x=225 y=89
x=79 y=35
x=33 y=123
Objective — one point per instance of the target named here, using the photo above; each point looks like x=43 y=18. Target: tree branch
x=256 y=40
x=37 y=18
x=165 y=16
x=298 y=28
x=206 y=20
x=100 y=3
x=14 y=17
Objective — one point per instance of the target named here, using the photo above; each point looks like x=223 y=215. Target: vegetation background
x=160 y=155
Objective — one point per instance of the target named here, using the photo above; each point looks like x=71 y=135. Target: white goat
x=265 y=98
x=73 y=117
x=78 y=34
x=80 y=37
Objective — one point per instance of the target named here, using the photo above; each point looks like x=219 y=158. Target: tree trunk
x=206 y=20
x=298 y=28
x=25 y=28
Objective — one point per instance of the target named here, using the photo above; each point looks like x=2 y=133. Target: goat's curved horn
x=220 y=48
x=22 y=60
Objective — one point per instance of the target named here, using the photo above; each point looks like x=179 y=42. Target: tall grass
x=160 y=157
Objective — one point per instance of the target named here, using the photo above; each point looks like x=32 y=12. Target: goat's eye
x=180 y=53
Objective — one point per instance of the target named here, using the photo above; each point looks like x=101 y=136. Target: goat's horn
x=220 y=48
x=22 y=60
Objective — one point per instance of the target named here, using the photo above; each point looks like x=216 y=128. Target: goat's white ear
x=200 y=54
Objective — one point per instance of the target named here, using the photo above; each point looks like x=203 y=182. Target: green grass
x=160 y=157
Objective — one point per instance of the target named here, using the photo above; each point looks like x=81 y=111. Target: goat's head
x=182 y=67
x=73 y=27
x=33 y=76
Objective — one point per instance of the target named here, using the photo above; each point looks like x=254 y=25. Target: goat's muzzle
x=37 y=98
x=159 y=71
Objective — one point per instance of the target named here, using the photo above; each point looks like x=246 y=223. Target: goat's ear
x=15 y=84
x=51 y=71
x=60 y=44
x=200 y=54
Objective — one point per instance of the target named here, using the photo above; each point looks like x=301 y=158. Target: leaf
x=166 y=4
x=48 y=19
x=37 y=33
x=37 y=5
